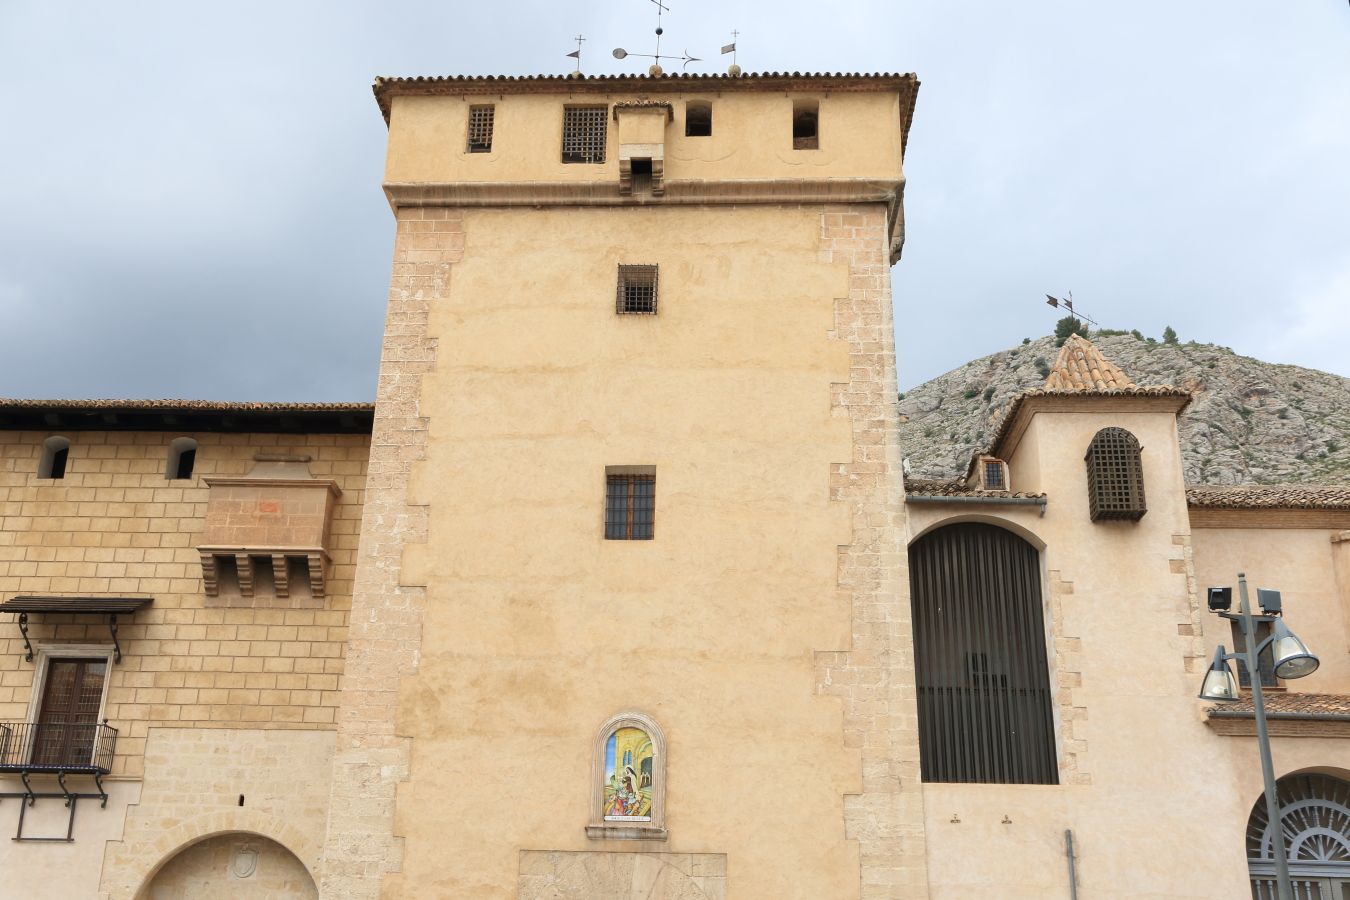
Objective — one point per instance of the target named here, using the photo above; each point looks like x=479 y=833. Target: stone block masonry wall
x=875 y=678
x=385 y=640
x=115 y=526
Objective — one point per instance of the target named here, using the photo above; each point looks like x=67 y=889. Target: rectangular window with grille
x=637 y=291
x=993 y=475
x=630 y=503
x=583 y=139
x=480 y=128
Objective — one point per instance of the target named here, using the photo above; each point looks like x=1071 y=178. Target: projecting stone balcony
x=267 y=534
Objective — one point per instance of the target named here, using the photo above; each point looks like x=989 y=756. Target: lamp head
x=1220 y=599
x=1219 y=683
x=1270 y=601
x=1291 y=656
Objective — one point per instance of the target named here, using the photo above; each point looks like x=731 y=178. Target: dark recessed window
x=697 y=118
x=980 y=661
x=993 y=475
x=637 y=290
x=1115 y=476
x=583 y=139
x=55 y=454
x=182 y=458
x=480 y=128
x=805 y=125
x=630 y=505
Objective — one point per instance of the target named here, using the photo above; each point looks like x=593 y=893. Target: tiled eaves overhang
x=185 y=416
x=907 y=85
x=1271 y=506
x=921 y=490
x=1008 y=433
x=1287 y=715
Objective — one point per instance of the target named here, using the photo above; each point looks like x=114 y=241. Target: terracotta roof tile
x=958 y=488
x=1271 y=496
x=1281 y=704
x=194 y=405
x=1080 y=366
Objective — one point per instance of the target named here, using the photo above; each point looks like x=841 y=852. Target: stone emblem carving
x=245 y=861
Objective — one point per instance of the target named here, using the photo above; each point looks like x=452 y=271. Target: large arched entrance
x=237 y=865
x=1315 y=820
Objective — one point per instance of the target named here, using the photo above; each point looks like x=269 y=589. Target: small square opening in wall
x=637 y=290
x=698 y=119
x=630 y=503
x=805 y=124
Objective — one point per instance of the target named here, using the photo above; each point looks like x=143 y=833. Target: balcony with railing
x=57 y=747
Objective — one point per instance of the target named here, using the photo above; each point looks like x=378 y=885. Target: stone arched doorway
x=235 y=865
x=1315 y=819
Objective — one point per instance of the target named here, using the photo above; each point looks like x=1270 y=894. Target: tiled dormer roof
x=1080 y=366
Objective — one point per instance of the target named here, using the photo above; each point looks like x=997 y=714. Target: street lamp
x=1292 y=660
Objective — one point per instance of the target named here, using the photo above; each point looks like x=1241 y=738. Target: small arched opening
x=55 y=454
x=233 y=865
x=182 y=458
x=1315 y=822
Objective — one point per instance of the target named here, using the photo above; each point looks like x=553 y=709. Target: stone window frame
x=42 y=664
x=52 y=448
x=174 y=458
x=598 y=828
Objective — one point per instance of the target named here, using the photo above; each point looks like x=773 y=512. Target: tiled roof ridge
x=1290 y=704
x=1268 y=496
x=1081 y=366
x=199 y=405
x=956 y=487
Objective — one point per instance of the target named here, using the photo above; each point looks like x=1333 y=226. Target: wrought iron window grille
x=630 y=507
x=636 y=291
x=481 y=120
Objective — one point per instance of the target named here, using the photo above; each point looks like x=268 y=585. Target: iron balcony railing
x=57 y=747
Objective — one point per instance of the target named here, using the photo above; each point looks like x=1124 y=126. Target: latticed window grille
x=980 y=660
x=993 y=475
x=637 y=290
x=1115 y=476
x=583 y=139
x=630 y=507
x=480 y=128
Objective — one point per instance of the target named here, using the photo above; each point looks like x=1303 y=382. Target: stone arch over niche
x=1020 y=529
x=229 y=866
x=130 y=868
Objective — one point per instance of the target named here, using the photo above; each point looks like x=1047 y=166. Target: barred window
x=630 y=503
x=583 y=139
x=480 y=128
x=993 y=475
x=1115 y=476
x=637 y=290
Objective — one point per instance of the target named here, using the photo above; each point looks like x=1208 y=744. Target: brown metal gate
x=980 y=657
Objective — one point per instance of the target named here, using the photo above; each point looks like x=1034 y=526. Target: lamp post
x=1291 y=659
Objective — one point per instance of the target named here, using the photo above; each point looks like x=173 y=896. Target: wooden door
x=68 y=718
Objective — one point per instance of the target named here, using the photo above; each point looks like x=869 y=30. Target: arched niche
x=232 y=866
x=628 y=779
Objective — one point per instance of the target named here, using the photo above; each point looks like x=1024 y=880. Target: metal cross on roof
x=620 y=53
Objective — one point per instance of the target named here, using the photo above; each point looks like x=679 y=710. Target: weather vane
x=620 y=53
x=576 y=54
x=1068 y=304
x=731 y=48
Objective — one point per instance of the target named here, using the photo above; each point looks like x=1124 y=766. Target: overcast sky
x=190 y=201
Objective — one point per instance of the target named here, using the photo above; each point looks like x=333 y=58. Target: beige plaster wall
x=751 y=139
x=1300 y=563
x=116 y=526
x=535 y=629
x=59 y=869
x=1144 y=782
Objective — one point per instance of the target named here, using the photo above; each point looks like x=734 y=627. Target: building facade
x=618 y=589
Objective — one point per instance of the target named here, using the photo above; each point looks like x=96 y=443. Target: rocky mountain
x=1250 y=422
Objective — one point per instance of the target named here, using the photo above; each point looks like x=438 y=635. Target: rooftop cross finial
x=576 y=54
x=620 y=53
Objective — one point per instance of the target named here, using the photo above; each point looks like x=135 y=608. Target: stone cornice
x=679 y=193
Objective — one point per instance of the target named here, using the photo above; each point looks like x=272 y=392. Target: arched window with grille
x=1315 y=820
x=980 y=658
x=1115 y=472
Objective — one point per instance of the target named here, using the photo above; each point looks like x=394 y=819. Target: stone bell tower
x=631 y=616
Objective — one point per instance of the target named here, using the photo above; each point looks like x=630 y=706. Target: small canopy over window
x=1115 y=473
x=55 y=453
